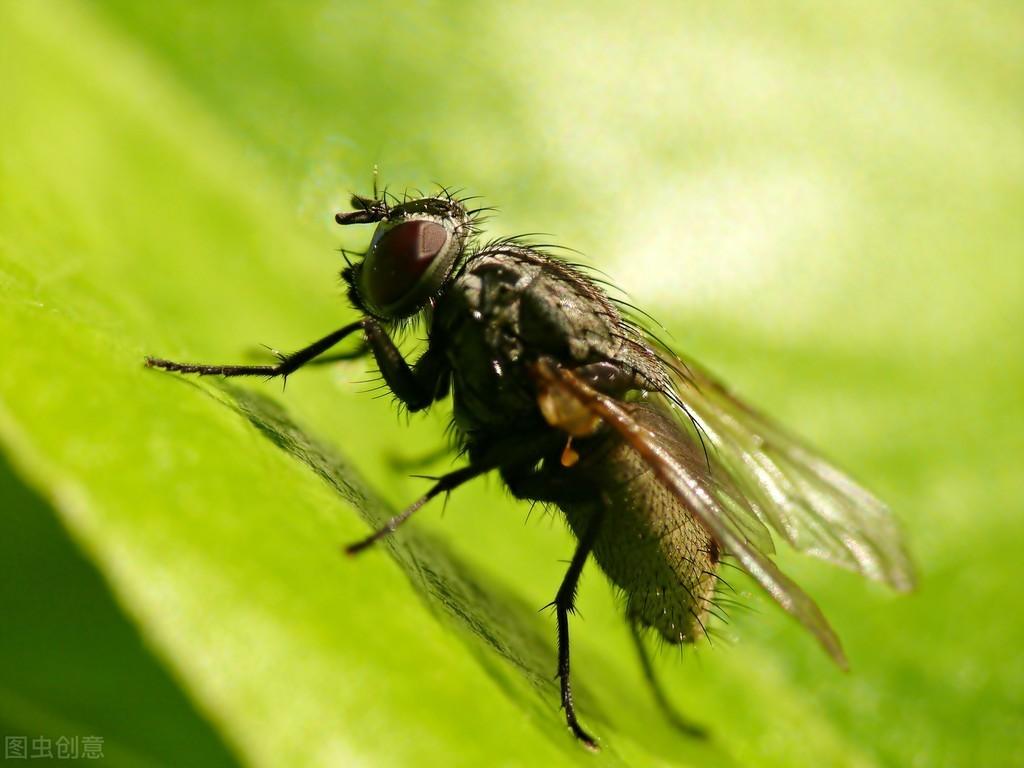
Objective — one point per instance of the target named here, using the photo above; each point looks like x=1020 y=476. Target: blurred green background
x=823 y=203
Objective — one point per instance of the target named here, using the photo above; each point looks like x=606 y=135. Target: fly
x=659 y=469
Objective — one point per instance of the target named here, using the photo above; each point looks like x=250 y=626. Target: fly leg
x=564 y=604
x=339 y=357
x=676 y=719
x=353 y=354
x=499 y=454
x=416 y=386
x=445 y=483
x=286 y=365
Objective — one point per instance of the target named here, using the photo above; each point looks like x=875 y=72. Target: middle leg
x=510 y=451
x=445 y=483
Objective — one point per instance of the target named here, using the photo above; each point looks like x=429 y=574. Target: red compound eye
x=398 y=261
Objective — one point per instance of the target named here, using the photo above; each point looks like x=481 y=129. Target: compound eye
x=398 y=261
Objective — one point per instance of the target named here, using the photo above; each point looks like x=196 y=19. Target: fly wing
x=816 y=507
x=691 y=486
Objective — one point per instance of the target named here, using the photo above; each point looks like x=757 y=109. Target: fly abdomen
x=648 y=544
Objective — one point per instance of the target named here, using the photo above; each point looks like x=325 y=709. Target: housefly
x=660 y=470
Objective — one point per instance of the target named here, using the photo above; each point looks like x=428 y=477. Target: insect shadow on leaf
x=485 y=611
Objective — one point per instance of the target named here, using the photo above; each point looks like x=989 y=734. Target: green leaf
x=819 y=205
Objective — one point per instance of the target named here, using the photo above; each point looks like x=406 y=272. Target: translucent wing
x=708 y=500
x=813 y=505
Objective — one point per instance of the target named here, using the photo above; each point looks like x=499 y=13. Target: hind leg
x=670 y=712
x=564 y=604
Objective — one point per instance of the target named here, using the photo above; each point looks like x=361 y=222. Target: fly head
x=413 y=254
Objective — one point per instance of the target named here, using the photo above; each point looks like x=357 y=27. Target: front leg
x=287 y=363
x=416 y=386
